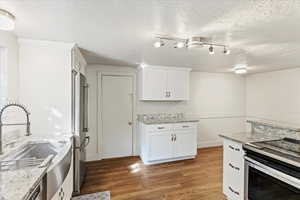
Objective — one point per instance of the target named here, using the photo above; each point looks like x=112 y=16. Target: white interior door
x=117 y=100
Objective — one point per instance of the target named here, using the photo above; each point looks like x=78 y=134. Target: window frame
x=3 y=76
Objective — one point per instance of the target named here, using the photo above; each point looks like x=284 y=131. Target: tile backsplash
x=274 y=129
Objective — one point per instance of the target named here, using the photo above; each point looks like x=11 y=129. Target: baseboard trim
x=209 y=144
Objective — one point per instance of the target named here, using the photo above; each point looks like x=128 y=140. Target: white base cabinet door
x=160 y=146
x=185 y=142
x=168 y=142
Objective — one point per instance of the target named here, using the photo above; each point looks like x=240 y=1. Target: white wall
x=9 y=41
x=216 y=99
x=44 y=66
x=274 y=96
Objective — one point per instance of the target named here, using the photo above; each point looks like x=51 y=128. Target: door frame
x=100 y=106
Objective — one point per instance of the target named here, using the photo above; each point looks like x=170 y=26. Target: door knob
x=129 y=123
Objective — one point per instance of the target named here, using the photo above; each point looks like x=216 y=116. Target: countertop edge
x=166 y=122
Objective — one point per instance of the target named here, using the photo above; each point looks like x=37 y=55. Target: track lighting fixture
x=211 y=50
x=158 y=44
x=191 y=42
x=179 y=44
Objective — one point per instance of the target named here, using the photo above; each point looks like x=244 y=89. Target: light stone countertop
x=18 y=184
x=168 y=121
x=245 y=137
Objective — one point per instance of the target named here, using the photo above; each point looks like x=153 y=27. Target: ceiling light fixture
x=191 y=42
x=158 y=44
x=226 y=51
x=211 y=50
x=179 y=45
x=7 y=20
x=240 y=69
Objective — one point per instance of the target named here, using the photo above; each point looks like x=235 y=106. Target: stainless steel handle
x=233 y=191
x=160 y=127
x=85 y=143
x=273 y=172
x=185 y=126
x=175 y=137
x=172 y=137
x=85 y=107
x=73 y=103
x=234 y=167
x=168 y=94
x=232 y=147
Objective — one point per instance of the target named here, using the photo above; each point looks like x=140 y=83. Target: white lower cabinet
x=66 y=189
x=160 y=146
x=168 y=142
x=233 y=170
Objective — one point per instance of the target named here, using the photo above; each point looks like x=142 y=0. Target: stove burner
x=287 y=146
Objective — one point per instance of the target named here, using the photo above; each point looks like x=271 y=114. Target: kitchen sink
x=38 y=153
x=54 y=154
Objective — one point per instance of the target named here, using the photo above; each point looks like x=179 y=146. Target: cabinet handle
x=172 y=138
x=175 y=137
x=233 y=167
x=231 y=147
x=232 y=190
x=168 y=94
x=160 y=127
x=185 y=126
x=235 y=149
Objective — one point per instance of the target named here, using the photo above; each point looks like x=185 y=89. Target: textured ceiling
x=264 y=34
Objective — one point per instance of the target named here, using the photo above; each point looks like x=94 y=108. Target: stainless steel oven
x=270 y=179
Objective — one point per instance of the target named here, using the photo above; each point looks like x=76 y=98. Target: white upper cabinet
x=154 y=84
x=164 y=83
x=178 y=84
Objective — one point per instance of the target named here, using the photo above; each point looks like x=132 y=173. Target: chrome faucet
x=15 y=124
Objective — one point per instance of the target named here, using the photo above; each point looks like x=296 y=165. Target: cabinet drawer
x=233 y=151
x=184 y=126
x=159 y=127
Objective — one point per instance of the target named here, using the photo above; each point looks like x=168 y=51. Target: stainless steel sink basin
x=34 y=150
x=57 y=155
x=29 y=155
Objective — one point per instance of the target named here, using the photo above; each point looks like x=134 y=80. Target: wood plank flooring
x=128 y=178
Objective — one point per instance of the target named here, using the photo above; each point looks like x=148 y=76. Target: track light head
x=211 y=50
x=179 y=45
x=158 y=44
x=226 y=51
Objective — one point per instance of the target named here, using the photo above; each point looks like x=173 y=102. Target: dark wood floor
x=128 y=178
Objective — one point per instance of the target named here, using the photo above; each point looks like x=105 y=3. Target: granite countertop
x=18 y=184
x=245 y=137
x=168 y=121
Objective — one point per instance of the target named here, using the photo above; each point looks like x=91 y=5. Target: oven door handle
x=273 y=172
